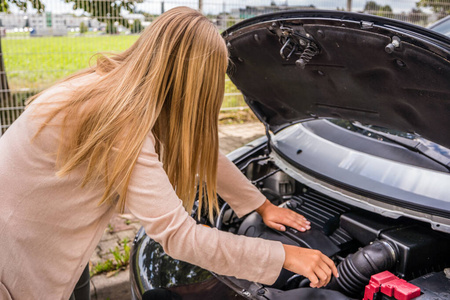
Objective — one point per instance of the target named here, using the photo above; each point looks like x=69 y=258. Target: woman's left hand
x=278 y=217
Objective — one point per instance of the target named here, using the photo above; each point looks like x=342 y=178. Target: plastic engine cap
x=383 y=277
x=400 y=289
x=390 y=285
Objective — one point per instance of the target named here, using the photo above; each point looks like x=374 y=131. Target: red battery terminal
x=390 y=285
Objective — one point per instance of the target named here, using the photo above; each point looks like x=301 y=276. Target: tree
x=83 y=28
x=111 y=28
x=103 y=10
x=136 y=27
x=22 y=5
x=230 y=20
x=374 y=8
x=417 y=16
x=442 y=7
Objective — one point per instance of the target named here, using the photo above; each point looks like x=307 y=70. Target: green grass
x=17 y=34
x=35 y=63
x=38 y=62
x=120 y=260
x=231 y=100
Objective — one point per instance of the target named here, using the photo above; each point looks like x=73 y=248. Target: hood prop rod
x=269 y=138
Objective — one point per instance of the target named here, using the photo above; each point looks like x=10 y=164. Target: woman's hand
x=278 y=217
x=312 y=264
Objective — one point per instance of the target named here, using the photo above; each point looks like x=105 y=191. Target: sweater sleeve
x=151 y=199
x=236 y=189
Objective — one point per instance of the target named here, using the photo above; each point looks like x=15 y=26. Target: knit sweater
x=50 y=226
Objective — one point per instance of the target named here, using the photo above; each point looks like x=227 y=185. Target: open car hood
x=300 y=65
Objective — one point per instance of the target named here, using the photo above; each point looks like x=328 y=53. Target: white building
x=45 y=21
x=37 y=21
x=11 y=21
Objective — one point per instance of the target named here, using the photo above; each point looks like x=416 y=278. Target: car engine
x=361 y=243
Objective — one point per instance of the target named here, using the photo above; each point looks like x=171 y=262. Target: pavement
x=122 y=227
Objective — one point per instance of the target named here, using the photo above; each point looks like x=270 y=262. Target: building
x=11 y=21
x=47 y=23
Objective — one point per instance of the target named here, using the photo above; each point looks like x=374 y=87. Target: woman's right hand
x=312 y=264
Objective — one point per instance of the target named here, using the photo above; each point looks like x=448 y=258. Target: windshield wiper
x=413 y=145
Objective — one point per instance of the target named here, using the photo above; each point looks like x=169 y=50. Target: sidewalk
x=115 y=285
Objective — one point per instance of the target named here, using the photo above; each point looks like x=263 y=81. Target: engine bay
x=361 y=243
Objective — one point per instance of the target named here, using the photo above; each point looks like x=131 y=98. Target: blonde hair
x=171 y=82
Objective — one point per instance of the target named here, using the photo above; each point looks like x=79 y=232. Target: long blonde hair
x=170 y=82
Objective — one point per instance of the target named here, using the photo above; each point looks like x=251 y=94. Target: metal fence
x=45 y=44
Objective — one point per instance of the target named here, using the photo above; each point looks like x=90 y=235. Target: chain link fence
x=55 y=38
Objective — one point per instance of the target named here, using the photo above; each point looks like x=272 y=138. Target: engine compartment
x=361 y=243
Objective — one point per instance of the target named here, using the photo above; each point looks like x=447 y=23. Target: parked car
x=442 y=26
x=357 y=111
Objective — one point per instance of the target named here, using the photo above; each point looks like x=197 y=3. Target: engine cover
x=253 y=226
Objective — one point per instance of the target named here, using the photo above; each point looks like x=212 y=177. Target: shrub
x=83 y=27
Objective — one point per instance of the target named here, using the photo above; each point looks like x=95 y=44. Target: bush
x=136 y=27
x=111 y=28
x=83 y=28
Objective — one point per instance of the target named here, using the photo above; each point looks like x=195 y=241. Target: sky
x=216 y=6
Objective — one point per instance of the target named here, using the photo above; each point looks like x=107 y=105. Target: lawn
x=38 y=62
x=34 y=63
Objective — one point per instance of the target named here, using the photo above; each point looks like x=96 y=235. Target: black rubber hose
x=355 y=271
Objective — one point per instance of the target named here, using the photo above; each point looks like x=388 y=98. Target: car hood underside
x=297 y=66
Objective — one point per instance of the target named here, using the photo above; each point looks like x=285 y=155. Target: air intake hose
x=355 y=271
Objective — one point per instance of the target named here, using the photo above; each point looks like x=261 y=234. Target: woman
x=129 y=132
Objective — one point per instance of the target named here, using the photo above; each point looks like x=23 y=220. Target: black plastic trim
x=344 y=16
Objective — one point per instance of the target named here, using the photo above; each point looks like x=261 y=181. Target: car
x=442 y=26
x=357 y=115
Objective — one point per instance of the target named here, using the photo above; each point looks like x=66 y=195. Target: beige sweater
x=49 y=226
